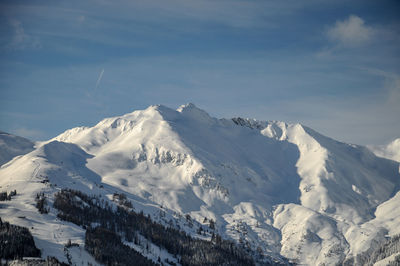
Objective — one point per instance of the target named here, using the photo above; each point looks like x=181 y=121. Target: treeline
x=84 y=210
x=16 y=242
x=122 y=200
x=395 y=262
x=49 y=261
x=106 y=247
x=388 y=248
x=7 y=196
x=41 y=203
x=371 y=256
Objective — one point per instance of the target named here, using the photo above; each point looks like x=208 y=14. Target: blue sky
x=331 y=65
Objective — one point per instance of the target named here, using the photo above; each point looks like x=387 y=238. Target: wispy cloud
x=29 y=133
x=391 y=87
x=351 y=31
x=225 y=55
x=20 y=39
x=232 y=13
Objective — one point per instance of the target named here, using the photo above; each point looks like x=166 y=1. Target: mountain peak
x=185 y=107
x=193 y=112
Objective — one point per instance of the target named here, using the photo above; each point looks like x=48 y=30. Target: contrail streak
x=99 y=79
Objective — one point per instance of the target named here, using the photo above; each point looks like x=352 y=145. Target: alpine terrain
x=179 y=187
x=11 y=146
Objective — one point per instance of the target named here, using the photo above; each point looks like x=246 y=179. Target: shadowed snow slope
x=282 y=188
x=11 y=146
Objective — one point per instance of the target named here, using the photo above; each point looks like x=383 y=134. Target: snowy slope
x=11 y=146
x=27 y=175
x=283 y=189
x=343 y=188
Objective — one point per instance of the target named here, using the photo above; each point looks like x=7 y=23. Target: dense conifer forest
x=107 y=226
x=106 y=247
x=18 y=247
x=16 y=242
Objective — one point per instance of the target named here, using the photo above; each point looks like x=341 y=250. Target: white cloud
x=350 y=32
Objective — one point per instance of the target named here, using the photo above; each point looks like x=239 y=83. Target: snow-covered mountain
x=11 y=146
x=389 y=151
x=281 y=189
